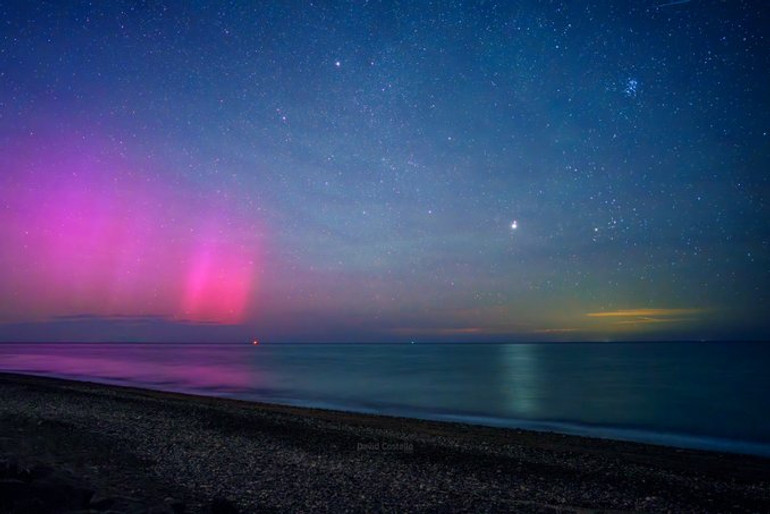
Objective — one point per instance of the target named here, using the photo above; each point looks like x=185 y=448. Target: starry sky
x=384 y=171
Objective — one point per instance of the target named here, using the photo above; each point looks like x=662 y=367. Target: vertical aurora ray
x=88 y=230
x=370 y=172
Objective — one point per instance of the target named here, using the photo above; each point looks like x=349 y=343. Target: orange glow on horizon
x=632 y=313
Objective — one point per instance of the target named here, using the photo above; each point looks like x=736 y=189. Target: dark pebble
x=12 y=490
x=9 y=468
x=223 y=506
x=122 y=504
x=161 y=509
x=30 y=506
x=177 y=506
x=60 y=491
x=39 y=472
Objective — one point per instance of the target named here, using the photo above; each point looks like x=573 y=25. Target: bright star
x=631 y=88
x=514 y=225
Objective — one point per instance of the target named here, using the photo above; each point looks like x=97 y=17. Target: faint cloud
x=642 y=312
x=128 y=319
x=647 y=316
x=439 y=331
x=118 y=328
x=644 y=320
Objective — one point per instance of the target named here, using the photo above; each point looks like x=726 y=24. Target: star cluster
x=379 y=171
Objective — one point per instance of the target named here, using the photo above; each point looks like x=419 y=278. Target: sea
x=704 y=395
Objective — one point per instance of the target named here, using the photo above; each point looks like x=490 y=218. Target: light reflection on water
x=520 y=381
x=185 y=368
x=702 y=395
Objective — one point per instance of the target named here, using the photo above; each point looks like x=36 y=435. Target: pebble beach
x=134 y=450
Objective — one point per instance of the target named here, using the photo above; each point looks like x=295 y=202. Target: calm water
x=702 y=395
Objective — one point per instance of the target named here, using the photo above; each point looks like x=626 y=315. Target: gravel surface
x=157 y=446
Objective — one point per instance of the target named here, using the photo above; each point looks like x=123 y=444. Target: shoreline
x=619 y=433
x=154 y=445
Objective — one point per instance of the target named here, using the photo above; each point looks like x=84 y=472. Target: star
x=272 y=181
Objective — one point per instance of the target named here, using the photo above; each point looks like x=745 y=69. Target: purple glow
x=87 y=230
x=188 y=369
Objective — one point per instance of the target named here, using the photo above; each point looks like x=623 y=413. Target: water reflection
x=520 y=380
x=184 y=368
x=711 y=390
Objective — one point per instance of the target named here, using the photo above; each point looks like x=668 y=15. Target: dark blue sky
x=384 y=171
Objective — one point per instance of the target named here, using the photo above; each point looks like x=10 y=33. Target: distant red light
x=255 y=342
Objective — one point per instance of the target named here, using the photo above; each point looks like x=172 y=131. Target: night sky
x=384 y=171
